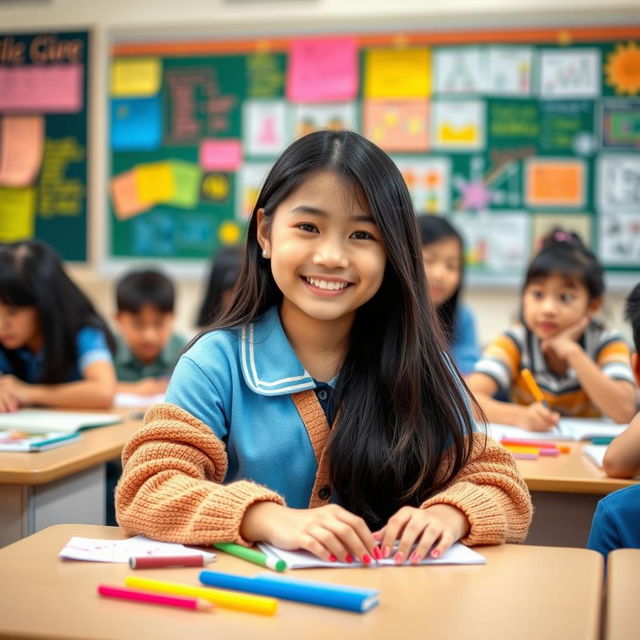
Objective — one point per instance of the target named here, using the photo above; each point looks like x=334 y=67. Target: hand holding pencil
x=537 y=416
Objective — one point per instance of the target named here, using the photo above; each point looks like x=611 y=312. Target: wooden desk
x=621 y=619
x=523 y=592
x=565 y=492
x=61 y=485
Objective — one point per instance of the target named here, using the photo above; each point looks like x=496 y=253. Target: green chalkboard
x=53 y=67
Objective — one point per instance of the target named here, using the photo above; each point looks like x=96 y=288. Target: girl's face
x=325 y=250
x=443 y=265
x=19 y=327
x=555 y=303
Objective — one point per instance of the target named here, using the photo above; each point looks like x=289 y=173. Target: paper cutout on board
x=265 y=75
x=155 y=182
x=62 y=192
x=619 y=183
x=566 y=126
x=54 y=88
x=136 y=124
x=216 y=187
x=229 y=232
x=322 y=70
x=124 y=195
x=619 y=239
x=187 y=177
x=135 y=77
x=514 y=121
x=544 y=223
x=570 y=73
x=458 y=125
x=220 y=154
x=264 y=127
x=428 y=181
x=509 y=71
x=17 y=213
x=337 y=116
x=555 y=182
x=620 y=123
x=494 y=243
x=459 y=70
x=397 y=73
x=21 y=149
x=397 y=125
x=622 y=69
x=250 y=179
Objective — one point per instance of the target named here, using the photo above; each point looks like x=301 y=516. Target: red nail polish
x=399 y=557
x=377 y=553
x=435 y=553
x=348 y=558
x=332 y=558
x=415 y=557
x=366 y=558
x=386 y=552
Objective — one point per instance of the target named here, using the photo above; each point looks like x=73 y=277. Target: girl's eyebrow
x=314 y=211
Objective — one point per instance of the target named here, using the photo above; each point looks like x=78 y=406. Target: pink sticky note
x=55 y=88
x=322 y=69
x=220 y=155
x=124 y=194
x=21 y=148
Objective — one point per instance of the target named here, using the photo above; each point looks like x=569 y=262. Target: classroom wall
x=154 y=19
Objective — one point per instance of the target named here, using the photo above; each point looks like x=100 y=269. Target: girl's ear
x=594 y=306
x=263 y=233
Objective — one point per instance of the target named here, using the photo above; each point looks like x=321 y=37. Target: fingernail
x=366 y=559
x=399 y=557
x=377 y=535
x=377 y=553
x=386 y=552
x=414 y=557
x=435 y=553
x=348 y=558
x=332 y=558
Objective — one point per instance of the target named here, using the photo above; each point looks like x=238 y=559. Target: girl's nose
x=331 y=255
x=549 y=304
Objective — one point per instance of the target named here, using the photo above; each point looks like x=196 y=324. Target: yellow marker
x=514 y=448
x=225 y=599
x=533 y=387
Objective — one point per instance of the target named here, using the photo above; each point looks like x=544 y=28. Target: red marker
x=157 y=562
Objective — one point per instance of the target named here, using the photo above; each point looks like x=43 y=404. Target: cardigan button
x=324 y=493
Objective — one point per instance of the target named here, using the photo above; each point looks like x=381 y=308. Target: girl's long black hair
x=32 y=275
x=401 y=404
x=433 y=229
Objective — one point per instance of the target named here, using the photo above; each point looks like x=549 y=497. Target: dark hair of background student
x=433 y=229
x=632 y=314
x=225 y=269
x=146 y=286
x=400 y=404
x=32 y=275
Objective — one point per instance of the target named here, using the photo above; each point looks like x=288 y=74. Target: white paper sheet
x=595 y=453
x=456 y=554
x=134 y=400
x=97 y=550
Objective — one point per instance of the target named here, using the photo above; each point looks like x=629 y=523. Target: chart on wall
x=43 y=140
x=508 y=135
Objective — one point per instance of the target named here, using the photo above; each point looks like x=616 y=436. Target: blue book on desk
x=325 y=594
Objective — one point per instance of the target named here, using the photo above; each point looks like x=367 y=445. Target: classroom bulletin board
x=43 y=140
x=506 y=133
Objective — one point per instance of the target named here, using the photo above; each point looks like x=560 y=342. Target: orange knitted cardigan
x=171 y=486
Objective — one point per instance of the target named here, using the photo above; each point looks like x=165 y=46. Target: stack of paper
x=45 y=421
x=20 y=441
x=571 y=429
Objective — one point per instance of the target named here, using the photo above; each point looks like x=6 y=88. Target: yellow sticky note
x=155 y=182
x=135 y=76
x=17 y=213
x=397 y=73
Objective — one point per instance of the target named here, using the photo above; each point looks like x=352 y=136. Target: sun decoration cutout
x=623 y=68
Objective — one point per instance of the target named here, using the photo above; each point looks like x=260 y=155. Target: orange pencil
x=533 y=387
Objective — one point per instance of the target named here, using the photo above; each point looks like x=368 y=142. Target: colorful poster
x=397 y=73
x=620 y=123
x=428 y=181
x=250 y=179
x=397 y=125
x=124 y=195
x=323 y=70
x=458 y=125
x=313 y=117
x=619 y=239
x=220 y=154
x=265 y=75
x=566 y=126
x=555 y=182
x=135 y=77
x=17 y=213
x=264 y=127
x=21 y=149
x=570 y=73
x=509 y=71
x=186 y=177
x=619 y=183
x=459 y=70
x=545 y=223
x=136 y=124
x=513 y=121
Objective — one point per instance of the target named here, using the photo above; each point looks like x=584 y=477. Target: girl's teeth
x=323 y=284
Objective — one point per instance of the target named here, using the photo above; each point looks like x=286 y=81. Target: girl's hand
x=432 y=530
x=330 y=532
x=566 y=341
x=538 y=417
x=8 y=402
x=15 y=392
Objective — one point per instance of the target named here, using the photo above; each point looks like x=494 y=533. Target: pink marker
x=195 y=604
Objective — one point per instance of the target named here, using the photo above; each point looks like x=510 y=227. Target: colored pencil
x=195 y=604
x=533 y=387
x=157 y=562
x=251 y=555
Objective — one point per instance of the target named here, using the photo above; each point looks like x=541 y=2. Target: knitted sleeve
x=491 y=493
x=170 y=486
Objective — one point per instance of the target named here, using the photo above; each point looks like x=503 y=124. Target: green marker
x=257 y=557
x=602 y=440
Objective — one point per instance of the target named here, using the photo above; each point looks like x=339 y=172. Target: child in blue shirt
x=55 y=350
x=443 y=255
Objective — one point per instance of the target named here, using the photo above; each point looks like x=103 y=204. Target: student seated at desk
x=322 y=412
x=148 y=349
x=581 y=369
x=55 y=350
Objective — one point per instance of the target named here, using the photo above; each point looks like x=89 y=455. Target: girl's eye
x=362 y=235
x=566 y=297
x=536 y=294
x=307 y=226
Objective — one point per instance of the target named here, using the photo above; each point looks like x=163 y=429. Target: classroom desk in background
x=565 y=491
x=623 y=579
x=61 y=485
x=522 y=592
